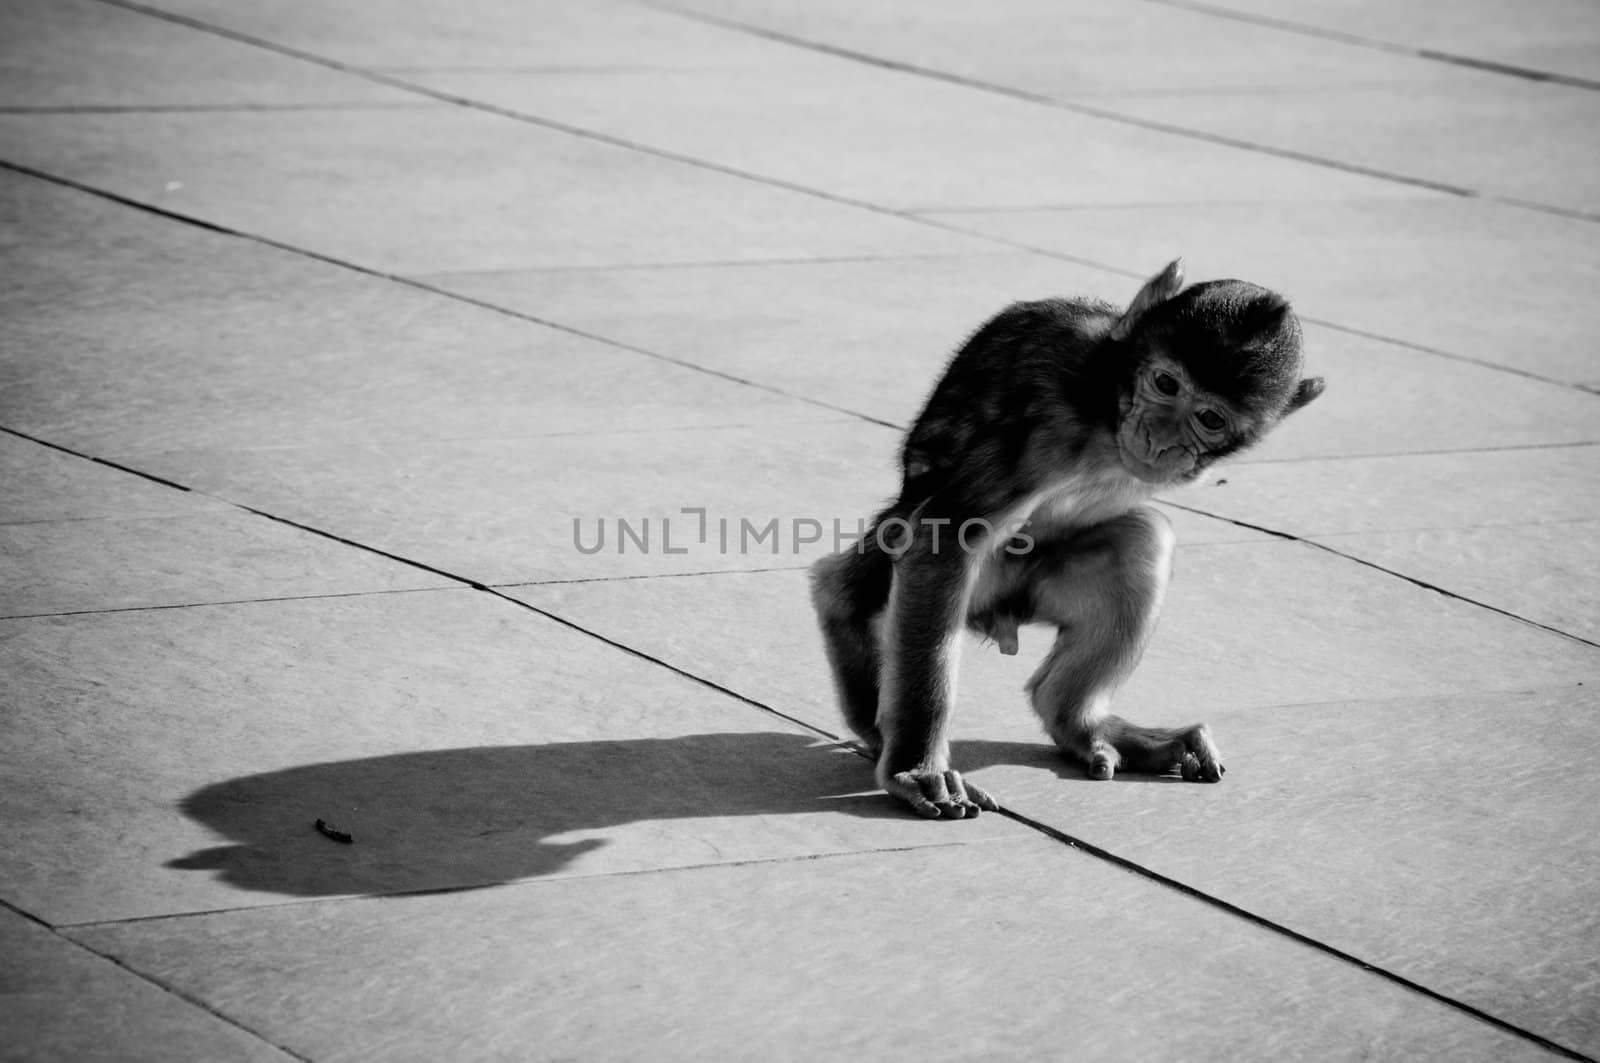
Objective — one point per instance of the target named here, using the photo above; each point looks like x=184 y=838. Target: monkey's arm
x=926 y=609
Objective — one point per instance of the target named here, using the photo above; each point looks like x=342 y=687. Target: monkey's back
x=1034 y=365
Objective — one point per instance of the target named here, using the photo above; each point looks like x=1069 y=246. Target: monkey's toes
x=1201 y=769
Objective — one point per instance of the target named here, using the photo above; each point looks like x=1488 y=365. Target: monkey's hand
x=935 y=793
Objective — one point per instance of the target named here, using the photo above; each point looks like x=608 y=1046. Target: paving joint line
x=1294 y=935
x=1150 y=874
x=651 y=575
x=730 y=263
x=547 y=614
x=522 y=883
x=1568 y=445
x=1424 y=584
x=1246 y=711
x=101 y=517
x=445 y=293
x=689 y=160
x=1052 y=832
x=18 y=910
x=1045 y=206
x=722 y=426
x=1380 y=45
x=190 y=999
x=55 y=931
x=225 y=601
x=410 y=282
x=130 y=470
x=1320 y=322
x=485 y=107
x=1437 y=352
x=934 y=74
x=218 y=108
x=1548 y=522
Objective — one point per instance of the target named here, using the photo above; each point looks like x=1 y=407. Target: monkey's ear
x=1309 y=388
x=1156 y=290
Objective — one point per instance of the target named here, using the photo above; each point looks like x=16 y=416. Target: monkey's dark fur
x=1050 y=429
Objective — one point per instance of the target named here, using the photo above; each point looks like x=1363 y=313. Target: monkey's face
x=1212 y=368
x=1171 y=428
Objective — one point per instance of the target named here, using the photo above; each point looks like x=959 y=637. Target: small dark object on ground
x=337 y=835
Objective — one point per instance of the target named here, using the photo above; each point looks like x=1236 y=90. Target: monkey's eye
x=1211 y=420
x=1166 y=384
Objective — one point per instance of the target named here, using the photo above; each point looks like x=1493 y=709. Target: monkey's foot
x=1115 y=743
x=939 y=794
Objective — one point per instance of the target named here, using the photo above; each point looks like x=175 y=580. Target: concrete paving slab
x=1245 y=626
x=872 y=336
x=77 y=53
x=1385 y=398
x=1545 y=136
x=1436 y=801
x=1336 y=631
x=1554 y=36
x=1173 y=65
x=38 y=483
x=1076 y=46
x=1393 y=792
x=590 y=506
x=80 y=255
x=1495 y=283
x=1543 y=572
x=127 y=334
x=175 y=761
x=547 y=35
x=418 y=191
x=1412 y=492
x=514 y=510
x=803 y=960
x=490 y=377
x=1455 y=830
x=60 y=1001
x=886 y=137
x=208 y=556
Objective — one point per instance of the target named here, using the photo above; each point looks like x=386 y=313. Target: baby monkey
x=1024 y=498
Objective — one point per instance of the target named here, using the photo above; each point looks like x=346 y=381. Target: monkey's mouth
x=1159 y=472
x=1151 y=464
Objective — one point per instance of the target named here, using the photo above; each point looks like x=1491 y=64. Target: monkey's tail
x=853 y=584
x=850 y=589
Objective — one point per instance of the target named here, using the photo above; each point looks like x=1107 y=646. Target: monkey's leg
x=927 y=604
x=849 y=590
x=1103 y=588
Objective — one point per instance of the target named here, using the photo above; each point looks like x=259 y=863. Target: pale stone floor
x=324 y=327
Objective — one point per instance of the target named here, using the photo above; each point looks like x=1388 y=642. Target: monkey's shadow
x=459 y=818
x=455 y=818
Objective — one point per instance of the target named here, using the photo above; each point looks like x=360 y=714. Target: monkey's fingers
x=959 y=793
x=980 y=797
x=928 y=794
x=904 y=786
